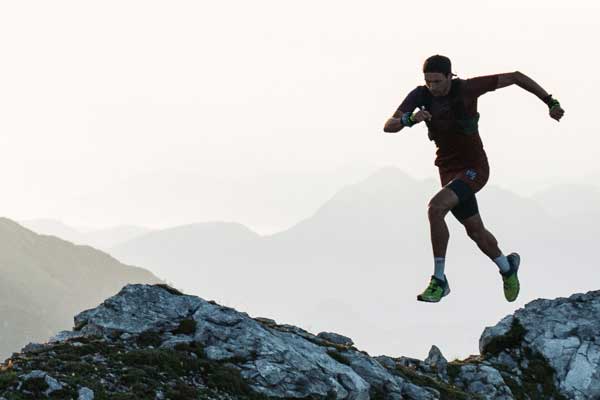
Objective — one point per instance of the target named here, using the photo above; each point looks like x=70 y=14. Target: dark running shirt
x=455 y=148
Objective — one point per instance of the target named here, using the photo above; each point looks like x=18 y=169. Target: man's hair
x=438 y=63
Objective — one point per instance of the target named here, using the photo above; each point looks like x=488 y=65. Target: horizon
x=528 y=191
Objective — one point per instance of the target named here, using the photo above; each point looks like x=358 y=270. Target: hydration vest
x=463 y=124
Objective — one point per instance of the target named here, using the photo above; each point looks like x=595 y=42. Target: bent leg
x=484 y=239
x=438 y=207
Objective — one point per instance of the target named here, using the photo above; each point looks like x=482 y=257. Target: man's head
x=438 y=75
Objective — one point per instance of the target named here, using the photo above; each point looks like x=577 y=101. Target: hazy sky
x=97 y=92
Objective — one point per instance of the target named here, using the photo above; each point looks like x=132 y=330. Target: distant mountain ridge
x=101 y=239
x=45 y=279
x=365 y=253
x=367 y=249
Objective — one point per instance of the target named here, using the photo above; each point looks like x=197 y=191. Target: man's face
x=438 y=83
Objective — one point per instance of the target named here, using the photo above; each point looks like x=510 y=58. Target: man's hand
x=557 y=112
x=421 y=115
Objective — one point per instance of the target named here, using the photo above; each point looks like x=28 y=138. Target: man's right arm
x=393 y=125
x=412 y=101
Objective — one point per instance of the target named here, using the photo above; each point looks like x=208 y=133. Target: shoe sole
x=446 y=293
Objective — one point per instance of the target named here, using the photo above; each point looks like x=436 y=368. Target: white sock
x=439 y=263
x=502 y=263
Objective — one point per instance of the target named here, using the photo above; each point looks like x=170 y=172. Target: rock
x=267 y=321
x=547 y=350
x=336 y=338
x=34 y=348
x=85 y=394
x=483 y=380
x=560 y=337
x=51 y=383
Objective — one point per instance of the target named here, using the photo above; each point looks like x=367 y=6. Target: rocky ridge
x=153 y=342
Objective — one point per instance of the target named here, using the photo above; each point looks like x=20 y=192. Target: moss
x=447 y=392
x=512 y=339
x=227 y=379
x=132 y=376
x=192 y=347
x=149 y=338
x=336 y=355
x=168 y=361
x=35 y=385
x=182 y=391
x=453 y=371
x=186 y=327
x=64 y=393
x=7 y=379
x=537 y=379
x=539 y=376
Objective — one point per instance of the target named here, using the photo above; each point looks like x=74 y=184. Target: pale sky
x=93 y=93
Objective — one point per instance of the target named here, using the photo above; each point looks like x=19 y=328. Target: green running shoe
x=435 y=291
x=510 y=278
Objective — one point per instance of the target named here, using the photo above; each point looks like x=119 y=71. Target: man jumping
x=449 y=108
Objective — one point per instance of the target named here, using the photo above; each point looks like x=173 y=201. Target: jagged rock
x=483 y=380
x=436 y=363
x=560 y=337
x=547 y=350
x=336 y=338
x=436 y=359
x=34 y=348
x=65 y=335
x=267 y=321
x=51 y=384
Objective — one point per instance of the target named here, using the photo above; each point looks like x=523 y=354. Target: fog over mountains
x=358 y=262
x=46 y=279
x=98 y=238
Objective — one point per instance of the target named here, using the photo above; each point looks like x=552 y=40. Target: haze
x=97 y=93
x=157 y=114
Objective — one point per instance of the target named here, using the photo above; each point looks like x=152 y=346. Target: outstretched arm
x=525 y=82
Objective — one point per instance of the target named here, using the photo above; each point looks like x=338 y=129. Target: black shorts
x=465 y=183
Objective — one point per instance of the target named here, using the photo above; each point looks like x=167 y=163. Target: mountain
x=364 y=255
x=98 y=238
x=46 y=279
x=570 y=201
x=154 y=342
x=265 y=201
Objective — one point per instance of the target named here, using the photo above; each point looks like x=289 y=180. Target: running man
x=449 y=108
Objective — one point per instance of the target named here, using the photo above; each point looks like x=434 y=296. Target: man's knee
x=436 y=210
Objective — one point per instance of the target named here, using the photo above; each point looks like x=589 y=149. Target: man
x=449 y=108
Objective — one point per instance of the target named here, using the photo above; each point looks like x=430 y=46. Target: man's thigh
x=466 y=209
x=465 y=183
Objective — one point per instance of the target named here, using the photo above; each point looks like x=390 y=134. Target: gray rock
x=53 y=384
x=336 y=338
x=560 y=338
x=483 y=380
x=561 y=335
x=85 y=394
x=34 y=348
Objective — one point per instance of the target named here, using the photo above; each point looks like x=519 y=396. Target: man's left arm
x=525 y=82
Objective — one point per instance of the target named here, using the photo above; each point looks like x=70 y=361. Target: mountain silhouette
x=368 y=248
x=46 y=279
